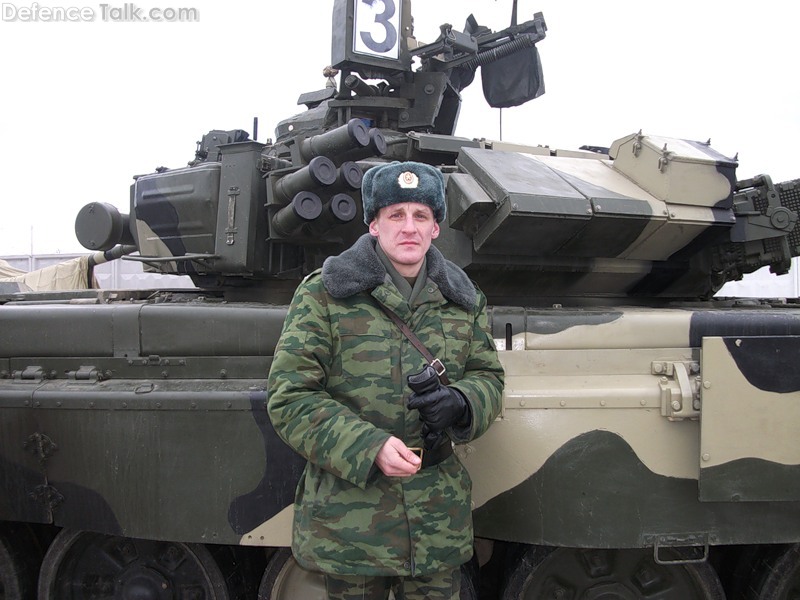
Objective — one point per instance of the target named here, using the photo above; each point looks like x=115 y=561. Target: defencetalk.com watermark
x=124 y=13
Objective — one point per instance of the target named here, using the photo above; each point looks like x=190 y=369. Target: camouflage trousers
x=445 y=585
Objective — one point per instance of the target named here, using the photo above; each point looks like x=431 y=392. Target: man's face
x=405 y=232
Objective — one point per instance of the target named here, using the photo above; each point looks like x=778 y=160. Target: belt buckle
x=438 y=366
x=419 y=451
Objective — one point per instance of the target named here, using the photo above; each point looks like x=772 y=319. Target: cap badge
x=408 y=180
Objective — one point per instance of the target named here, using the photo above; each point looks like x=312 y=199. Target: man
x=369 y=512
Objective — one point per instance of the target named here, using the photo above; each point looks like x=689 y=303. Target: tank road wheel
x=577 y=574
x=13 y=582
x=778 y=578
x=284 y=579
x=19 y=559
x=82 y=565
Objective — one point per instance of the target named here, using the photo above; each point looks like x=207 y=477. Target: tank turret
x=649 y=217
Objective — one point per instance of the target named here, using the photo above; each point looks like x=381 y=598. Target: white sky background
x=85 y=106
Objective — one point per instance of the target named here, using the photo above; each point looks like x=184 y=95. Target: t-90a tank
x=647 y=446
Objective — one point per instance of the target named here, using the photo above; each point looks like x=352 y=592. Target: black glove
x=440 y=408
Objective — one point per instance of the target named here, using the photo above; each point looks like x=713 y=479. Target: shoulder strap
x=433 y=362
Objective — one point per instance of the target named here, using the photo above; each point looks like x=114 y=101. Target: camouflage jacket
x=338 y=392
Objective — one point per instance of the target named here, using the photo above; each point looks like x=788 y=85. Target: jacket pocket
x=365 y=349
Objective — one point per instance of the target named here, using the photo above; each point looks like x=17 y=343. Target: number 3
x=384 y=20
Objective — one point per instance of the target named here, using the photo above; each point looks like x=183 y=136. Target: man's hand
x=396 y=459
x=440 y=408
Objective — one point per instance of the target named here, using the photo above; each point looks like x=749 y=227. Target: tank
x=647 y=446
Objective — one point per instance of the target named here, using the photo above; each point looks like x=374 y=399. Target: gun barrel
x=100 y=257
x=359 y=86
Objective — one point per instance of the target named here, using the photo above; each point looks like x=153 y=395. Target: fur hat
x=398 y=182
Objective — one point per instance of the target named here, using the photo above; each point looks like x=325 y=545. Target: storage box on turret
x=677 y=171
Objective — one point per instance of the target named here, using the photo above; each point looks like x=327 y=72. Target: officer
x=370 y=512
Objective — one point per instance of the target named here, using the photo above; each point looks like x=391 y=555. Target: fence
x=126 y=274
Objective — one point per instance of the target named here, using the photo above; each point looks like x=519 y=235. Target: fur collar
x=358 y=269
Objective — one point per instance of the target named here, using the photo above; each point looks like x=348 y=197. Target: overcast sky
x=86 y=105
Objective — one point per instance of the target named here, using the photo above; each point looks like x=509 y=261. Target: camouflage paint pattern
x=590 y=434
x=85 y=420
x=338 y=391
x=631 y=427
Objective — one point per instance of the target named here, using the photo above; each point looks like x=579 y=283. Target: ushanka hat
x=398 y=182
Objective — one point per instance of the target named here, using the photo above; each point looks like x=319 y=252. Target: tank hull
x=613 y=431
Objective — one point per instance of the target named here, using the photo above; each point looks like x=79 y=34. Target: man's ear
x=373 y=228
x=435 y=232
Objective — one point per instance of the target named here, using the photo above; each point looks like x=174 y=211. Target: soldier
x=369 y=513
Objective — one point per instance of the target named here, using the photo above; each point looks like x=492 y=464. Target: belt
x=431 y=458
